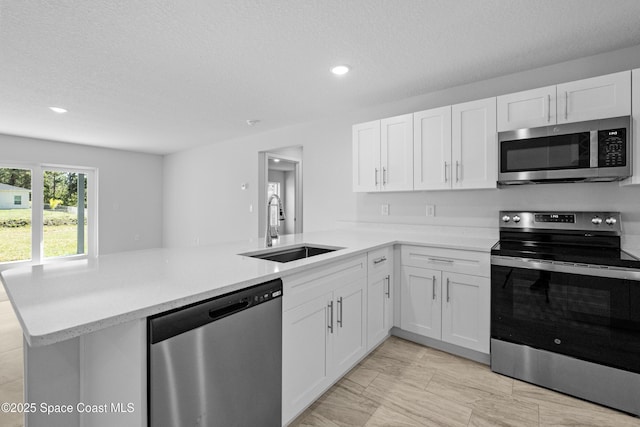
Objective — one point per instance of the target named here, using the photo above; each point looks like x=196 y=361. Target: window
x=15 y=220
x=58 y=222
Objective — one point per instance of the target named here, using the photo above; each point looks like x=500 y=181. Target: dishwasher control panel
x=174 y=322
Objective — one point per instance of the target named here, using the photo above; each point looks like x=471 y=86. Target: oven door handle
x=565 y=267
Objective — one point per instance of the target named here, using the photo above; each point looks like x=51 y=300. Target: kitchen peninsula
x=85 y=326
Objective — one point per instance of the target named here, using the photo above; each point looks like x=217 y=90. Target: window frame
x=37 y=215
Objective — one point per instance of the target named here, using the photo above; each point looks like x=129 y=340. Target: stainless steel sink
x=291 y=253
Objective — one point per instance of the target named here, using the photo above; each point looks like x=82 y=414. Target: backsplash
x=479 y=208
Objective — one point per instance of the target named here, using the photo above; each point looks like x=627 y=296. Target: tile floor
x=399 y=384
x=405 y=384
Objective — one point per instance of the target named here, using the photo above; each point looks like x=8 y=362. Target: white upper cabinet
x=531 y=108
x=474 y=152
x=383 y=155
x=432 y=149
x=366 y=156
x=595 y=98
x=589 y=99
x=396 y=160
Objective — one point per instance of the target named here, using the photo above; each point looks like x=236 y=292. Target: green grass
x=15 y=242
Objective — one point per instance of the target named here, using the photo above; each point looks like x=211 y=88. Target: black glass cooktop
x=590 y=250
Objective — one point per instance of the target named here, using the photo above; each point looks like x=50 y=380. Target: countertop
x=63 y=300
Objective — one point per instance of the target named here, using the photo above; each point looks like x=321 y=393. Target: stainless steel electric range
x=565 y=306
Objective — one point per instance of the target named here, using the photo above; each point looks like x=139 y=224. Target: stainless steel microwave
x=596 y=150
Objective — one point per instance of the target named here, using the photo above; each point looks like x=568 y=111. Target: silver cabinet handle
x=388 y=279
x=445 y=171
x=566 y=105
x=457 y=169
x=379 y=260
x=330 y=306
x=433 y=297
x=384 y=176
x=339 y=320
x=548 y=108
x=447 y=289
x=440 y=260
x=376 y=176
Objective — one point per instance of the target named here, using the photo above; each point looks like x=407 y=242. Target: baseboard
x=443 y=346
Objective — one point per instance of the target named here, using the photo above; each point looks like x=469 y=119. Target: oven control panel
x=587 y=221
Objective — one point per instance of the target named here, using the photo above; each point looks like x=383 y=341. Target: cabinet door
x=420 y=297
x=465 y=311
x=397 y=153
x=379 y=307
x=527 y=109
x=432 y=149
x=474 y=144
x=349 y=331
x=596 y=98
x=305 y=347
x=366 y=156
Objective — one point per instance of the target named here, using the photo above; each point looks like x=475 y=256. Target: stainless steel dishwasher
x=218 y=362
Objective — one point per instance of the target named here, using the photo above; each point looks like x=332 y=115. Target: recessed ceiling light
x=276 y=160
x=253 y=122
x=339 y=70
x=58 y=110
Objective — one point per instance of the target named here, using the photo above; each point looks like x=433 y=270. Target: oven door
x=592 y=318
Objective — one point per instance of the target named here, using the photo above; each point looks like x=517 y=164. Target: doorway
x=280 y=172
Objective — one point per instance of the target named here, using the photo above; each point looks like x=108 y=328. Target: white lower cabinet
x=420 y=296
x=333 y=315
x=349 y=328
x=465 y=311
x=379 y=296
x=442 y=303
x=305 y=352
x=323 y=330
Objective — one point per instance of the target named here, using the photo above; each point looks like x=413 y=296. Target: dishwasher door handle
x=221 y=312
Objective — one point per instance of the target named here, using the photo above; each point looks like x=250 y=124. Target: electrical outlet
x=385 y=210
x=431 y=210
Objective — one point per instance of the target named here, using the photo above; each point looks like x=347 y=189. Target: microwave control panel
x=612 y=148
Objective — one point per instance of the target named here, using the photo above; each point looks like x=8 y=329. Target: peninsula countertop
x=63 y=300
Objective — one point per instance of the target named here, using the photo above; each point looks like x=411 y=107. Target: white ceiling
x=161 y=76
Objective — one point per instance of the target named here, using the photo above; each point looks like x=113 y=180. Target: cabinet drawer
x=454 y=260
x=309 y=284
x=380 y=262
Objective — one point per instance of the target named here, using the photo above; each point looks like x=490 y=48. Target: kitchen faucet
x=269 y=237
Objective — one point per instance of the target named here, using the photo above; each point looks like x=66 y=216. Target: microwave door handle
x=593 y=149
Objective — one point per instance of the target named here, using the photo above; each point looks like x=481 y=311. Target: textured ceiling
x=164 y=75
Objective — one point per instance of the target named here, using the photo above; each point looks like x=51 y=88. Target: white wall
x=216 y=171
x=213 y=174
x=129 y=186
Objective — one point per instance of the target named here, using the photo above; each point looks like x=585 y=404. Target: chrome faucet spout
x=273 y=232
